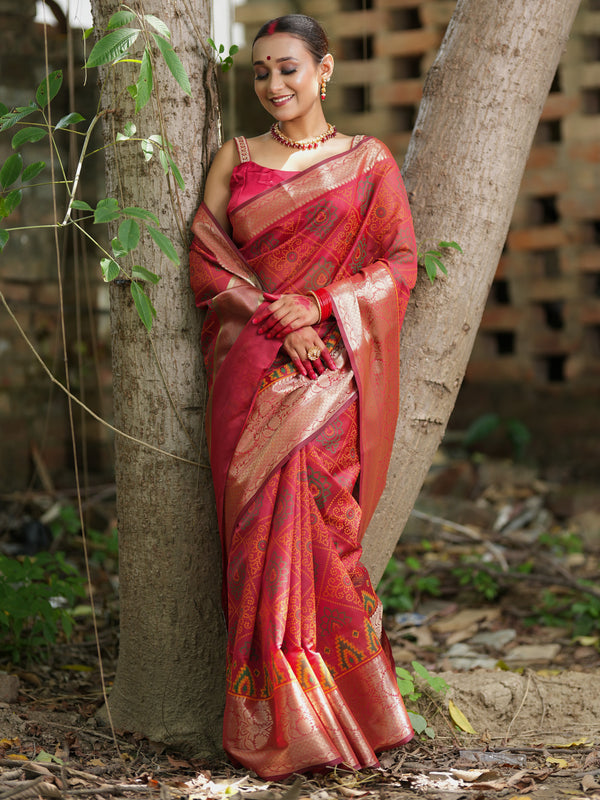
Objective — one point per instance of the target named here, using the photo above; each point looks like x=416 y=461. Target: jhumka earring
x=323 y=89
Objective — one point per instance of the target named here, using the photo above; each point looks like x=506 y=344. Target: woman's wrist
x=323 y=300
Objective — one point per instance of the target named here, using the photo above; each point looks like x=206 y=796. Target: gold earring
x=323 y=89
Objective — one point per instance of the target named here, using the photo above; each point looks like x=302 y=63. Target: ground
x=495 y=593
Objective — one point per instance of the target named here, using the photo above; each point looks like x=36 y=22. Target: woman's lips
x=280 y=101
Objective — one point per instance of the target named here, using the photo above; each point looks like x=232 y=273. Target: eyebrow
x=278 y=61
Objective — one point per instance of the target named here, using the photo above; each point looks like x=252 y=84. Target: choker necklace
x=305 y=144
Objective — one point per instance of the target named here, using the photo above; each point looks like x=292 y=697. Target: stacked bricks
x=541 y=326
x=34 y=420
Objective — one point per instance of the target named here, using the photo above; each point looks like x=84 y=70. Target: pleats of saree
x=308 y=683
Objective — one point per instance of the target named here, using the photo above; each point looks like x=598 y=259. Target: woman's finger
x=326 y=356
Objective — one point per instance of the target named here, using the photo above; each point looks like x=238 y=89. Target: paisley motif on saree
x=299 y=465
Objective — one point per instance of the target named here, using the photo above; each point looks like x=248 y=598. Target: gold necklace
x=303 y=144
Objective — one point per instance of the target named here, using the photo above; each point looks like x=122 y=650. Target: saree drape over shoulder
x=299 y=465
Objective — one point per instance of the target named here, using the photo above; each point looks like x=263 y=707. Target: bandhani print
x=299 y=465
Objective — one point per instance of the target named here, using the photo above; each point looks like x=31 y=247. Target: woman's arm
x=216 y=191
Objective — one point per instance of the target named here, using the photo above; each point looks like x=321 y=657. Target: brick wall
x=34 y=423
x=537 y=355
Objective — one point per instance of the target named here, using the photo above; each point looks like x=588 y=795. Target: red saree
x=299 y=465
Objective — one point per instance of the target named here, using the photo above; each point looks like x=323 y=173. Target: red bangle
x=324 y=300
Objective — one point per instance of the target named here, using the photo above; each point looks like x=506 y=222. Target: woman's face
x=287 y=78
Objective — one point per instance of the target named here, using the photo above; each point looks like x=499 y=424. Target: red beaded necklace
x=304 y=144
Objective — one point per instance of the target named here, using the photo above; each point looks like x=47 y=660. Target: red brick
x=580 y=205
x=398 y=93
x=501 y=318
x=590 y=312
x=585 y=151
x=358 y=23
x=589 y=260
x=407 y=43
x=508 y=369
x=543 y=156
x=558 y=106
x=542 y=183
x=545 y=237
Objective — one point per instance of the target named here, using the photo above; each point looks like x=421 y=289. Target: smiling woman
x=304 y=256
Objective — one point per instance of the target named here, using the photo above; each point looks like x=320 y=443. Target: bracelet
x=319 y=306
x=325 y=302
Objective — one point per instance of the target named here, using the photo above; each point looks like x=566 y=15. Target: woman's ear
x=327 y=65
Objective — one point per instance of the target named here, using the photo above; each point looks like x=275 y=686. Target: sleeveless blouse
x=249 y=178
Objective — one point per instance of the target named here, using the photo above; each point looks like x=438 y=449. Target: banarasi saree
x=299 y=465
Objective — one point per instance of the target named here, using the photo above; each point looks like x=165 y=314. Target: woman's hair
x=302 y=27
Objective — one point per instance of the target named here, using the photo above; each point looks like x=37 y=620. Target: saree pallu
x=299 y=465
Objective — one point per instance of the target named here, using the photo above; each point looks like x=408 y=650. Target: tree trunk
x=481 y=104
x=170 y=677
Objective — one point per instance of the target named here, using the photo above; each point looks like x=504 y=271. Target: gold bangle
x=318 y=302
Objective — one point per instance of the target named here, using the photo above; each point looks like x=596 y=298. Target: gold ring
x=313 y=354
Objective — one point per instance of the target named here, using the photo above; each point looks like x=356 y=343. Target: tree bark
x=481 y=103
x=170 y=677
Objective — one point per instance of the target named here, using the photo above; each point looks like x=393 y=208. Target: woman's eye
x=260 y=77
x=287 y=71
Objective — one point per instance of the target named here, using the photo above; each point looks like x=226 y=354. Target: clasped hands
x=291 y=317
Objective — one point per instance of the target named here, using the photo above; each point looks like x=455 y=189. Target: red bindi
x=268 y=58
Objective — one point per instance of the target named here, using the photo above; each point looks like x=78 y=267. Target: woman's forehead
x=278 y=45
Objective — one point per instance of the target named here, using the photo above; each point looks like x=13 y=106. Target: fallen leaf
x=562 y=763
x=459 y=718
x=584 y=741
x=589 y=782
x=176 y=762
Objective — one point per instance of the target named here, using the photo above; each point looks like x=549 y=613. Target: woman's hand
x=287 y=313
x=308 y=353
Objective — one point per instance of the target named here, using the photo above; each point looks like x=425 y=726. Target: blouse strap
x=241 y=144
x=357 y=139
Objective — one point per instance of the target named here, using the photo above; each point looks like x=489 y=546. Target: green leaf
x=3 y=239
x=143 y=305
x=430 y=268
x=11 y=169
x=176 y=173
x=28 y=135
x=233 y=49
x=129 y=234
x=454 y=245
x=163 y=160
x=173 y=63
x=118 y=248
x=48 y=88
x=437 y=684
x=147 y=149
x=8 y=120
x=110 y=269
x=10 y=202
x=81 y=205
x=158 y=25
x=140 y=213
x=119 y=19
x=87 y=33
x=418 y=722
x=69 y=119
x=164 y=244
x=144 y=274
x=106 y=210
x=144 y=82
x=483 y=426
x=130 y=129
x=112 y=46
x=32 y=171
x=3 y=109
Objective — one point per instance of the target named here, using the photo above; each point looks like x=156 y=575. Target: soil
x=522 y=664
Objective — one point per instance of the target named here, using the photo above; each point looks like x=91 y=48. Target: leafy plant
x=226 y=62
x=517 y=433
x=410 y=694
x=482 y=582
x=400 y=584
x=432 y=259
x=35 y=597
x=125 y=28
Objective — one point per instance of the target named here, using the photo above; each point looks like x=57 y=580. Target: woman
x=303 y=256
